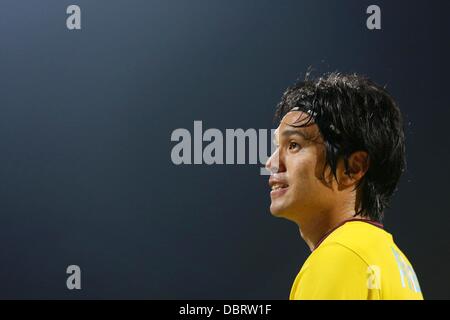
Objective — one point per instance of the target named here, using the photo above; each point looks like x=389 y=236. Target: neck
x=313 y=230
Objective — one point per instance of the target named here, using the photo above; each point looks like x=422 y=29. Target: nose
x=274 y=164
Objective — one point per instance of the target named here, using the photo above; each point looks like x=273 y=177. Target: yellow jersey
x=358 y=260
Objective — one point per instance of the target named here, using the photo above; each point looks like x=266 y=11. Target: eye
x=293 y=145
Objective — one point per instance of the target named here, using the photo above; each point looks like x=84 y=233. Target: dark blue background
x=86 y=117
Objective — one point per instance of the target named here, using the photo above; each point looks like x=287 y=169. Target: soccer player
x=340 y=153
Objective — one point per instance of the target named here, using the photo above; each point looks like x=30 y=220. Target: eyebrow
x=288 y=133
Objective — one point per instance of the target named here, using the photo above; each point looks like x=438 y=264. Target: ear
x=358 y=164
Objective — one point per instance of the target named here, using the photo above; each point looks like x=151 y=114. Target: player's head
x=340 y=145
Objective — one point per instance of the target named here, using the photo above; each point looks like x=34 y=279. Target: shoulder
x=363 y=239
x=342 y=265
x=334 y=254
x=332 y=271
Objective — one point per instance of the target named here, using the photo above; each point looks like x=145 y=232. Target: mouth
x=278 y=189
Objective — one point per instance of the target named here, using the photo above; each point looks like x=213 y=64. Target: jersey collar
x=375 y=223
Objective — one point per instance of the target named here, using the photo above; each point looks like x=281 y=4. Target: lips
x=278 y=184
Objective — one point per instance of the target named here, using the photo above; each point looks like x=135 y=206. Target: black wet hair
x=354 y=114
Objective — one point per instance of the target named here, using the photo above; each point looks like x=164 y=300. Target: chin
x=282 y=212
x=277 y=212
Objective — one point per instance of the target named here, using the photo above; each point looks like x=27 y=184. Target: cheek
x=322 y=172
x=306 y=171
x=301 y=168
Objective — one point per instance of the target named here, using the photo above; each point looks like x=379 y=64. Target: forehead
x=292 y=120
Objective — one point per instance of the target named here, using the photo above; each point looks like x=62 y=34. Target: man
x=340 y=153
